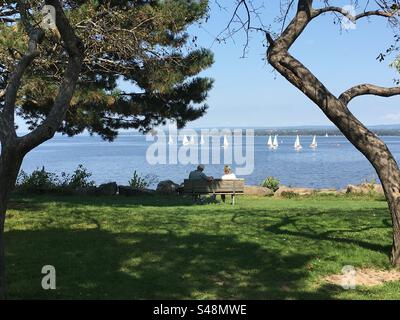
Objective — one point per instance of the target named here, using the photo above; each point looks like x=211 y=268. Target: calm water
x=335 y=163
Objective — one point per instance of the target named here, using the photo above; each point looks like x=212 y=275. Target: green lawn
x=160 y=248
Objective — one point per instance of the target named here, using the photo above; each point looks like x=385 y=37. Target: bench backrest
x=215 y=186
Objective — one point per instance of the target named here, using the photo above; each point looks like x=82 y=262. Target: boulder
x=168 y=187
x=258 y=191
x=129 y=191
x=365 y=188
x=107 y=189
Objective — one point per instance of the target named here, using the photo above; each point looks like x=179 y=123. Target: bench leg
x=233 y=200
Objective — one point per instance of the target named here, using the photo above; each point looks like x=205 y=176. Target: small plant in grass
x=289 y=195
x=271 y=183
x=142 y=182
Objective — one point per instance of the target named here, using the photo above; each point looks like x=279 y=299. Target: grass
x=167 y=248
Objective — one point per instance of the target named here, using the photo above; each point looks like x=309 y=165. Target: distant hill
x=380 y=130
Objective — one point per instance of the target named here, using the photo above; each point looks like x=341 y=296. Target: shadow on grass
x=285 y=224
x=280 y=228
x=98 y=264
x=32 y=201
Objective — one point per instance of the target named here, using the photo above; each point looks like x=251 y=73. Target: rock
x=365 y=188
x=129 y=191
x=88 y=191
x=168 y=187
x=258 y=191
x=107 y=189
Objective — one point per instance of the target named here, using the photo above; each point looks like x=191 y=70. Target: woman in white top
x=228 y=175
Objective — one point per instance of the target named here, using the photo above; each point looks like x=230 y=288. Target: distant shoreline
x=382 y=131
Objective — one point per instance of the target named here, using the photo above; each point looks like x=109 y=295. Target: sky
x=247 y=93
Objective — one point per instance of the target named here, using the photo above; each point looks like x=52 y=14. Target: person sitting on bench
x=228 y=175
x=198 y=174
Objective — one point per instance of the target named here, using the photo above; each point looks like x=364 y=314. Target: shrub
x=289 y=195
x=139 y=182
x=271 y=183
x=80 y=178
x=38 y=181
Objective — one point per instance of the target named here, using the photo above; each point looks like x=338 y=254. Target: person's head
x=227 y=170
x=200 y=167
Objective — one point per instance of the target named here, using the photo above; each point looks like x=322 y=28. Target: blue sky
x=248 y=94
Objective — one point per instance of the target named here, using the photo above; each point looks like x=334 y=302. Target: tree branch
x=367 y=89
x=75 y=50
x=10 y=93
x=342 y=11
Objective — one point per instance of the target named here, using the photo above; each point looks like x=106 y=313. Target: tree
x=334 y=107
x=65 y=77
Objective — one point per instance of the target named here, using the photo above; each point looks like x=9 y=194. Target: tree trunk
x=373 y=148
x=378 y=154
x=10 y=164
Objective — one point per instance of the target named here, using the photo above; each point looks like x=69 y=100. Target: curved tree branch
x=7 y=129
x=342 y=11
x=367 y=89
x=74 y=47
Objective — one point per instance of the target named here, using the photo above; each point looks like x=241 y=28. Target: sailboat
x=275 y=144
x=314 y=143
x=269 y=143
x=170 y=141
x=226 y=143
x=192 y=140
x=297 y=144
x=202 y=140
x=327 y=135
x=185 y=140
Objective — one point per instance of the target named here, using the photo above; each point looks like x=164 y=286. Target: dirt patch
x=365 y=277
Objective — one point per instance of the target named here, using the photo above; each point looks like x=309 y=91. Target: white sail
x=202 y=140
x=327 y=135
x=170 y=141
x=226 y=143
x=275 y=144
x=192 y=140
x=297 y=144
x=314 y=143
x=269 y=143
x=185 y=140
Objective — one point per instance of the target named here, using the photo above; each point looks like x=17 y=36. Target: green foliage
x=143 y=43
x=80 y=178
x=271 y=183
x=139 y=182
x=38 y=181
x=289 y=195
x=41 y=181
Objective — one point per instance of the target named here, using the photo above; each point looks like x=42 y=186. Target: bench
x=215 y=187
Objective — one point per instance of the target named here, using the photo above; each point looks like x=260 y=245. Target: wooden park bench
x=197 y=188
